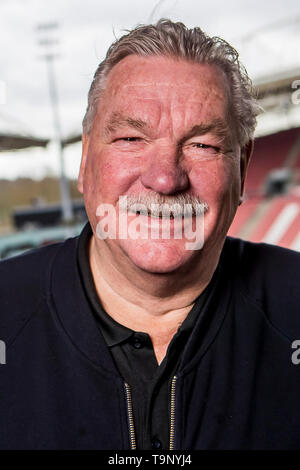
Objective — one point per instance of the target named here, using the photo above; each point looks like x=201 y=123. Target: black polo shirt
x=134 y=357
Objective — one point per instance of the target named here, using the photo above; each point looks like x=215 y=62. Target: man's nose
x=164 y=174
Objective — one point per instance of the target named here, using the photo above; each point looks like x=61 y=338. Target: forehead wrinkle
x=156 y=84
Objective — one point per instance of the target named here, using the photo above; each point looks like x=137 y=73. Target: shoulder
x=23 y=281
x=268 y=276
x=262 y=257
x=24 y=269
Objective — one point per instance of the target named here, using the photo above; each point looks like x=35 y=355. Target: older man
x=127 y=338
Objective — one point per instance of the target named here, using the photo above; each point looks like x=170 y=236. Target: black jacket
x=236 y=388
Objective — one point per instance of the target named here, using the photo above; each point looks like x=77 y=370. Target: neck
x=142 y=300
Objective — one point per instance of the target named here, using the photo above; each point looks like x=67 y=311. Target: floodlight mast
x=49 y=57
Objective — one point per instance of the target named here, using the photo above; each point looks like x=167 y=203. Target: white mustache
x=156 y=205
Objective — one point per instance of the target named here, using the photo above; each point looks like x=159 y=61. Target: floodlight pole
x=67 y=209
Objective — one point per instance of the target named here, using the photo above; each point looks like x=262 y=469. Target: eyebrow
x=118 y=120
x=216 y=127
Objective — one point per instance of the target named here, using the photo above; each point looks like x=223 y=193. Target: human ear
x=246 y=153
x=85 y=145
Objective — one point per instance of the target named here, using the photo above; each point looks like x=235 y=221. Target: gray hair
x=169 y=39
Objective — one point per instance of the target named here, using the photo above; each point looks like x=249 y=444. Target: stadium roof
x=13 y=136
x=275 y=94
x=72 y=139
x=276 y=83
x=17 y=142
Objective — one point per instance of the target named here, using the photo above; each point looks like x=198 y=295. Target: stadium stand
x=271 y=209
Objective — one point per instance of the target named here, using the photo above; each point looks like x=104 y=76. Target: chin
x=160 y=256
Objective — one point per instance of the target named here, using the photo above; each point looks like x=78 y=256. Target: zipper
x=130 y=417
x=172 y=413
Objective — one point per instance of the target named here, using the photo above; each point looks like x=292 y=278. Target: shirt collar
x=114 y=333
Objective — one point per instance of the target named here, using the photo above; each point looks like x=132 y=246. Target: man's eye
x=127 y=142
x=204 y=146
x=130 y=139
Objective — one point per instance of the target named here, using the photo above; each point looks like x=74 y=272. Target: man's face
x=163 y=129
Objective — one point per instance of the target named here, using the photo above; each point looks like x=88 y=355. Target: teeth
x=156 y=208
x=161 y=214
x=158 y=216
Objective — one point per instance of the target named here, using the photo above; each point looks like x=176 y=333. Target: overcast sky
x=267 y=35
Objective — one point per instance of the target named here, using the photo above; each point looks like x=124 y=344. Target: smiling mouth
x=158 y=208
